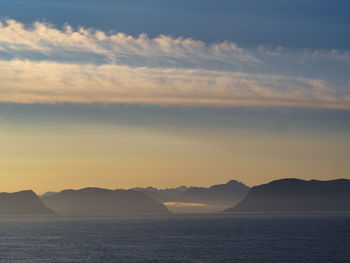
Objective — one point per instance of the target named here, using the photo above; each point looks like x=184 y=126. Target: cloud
x=51 y=82
x=329 y=54
x=118 y=48
x=42 y=64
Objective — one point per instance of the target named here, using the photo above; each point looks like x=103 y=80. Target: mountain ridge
x=24 y=202
x=228 y=193
x=101 y=201
x=293 y=195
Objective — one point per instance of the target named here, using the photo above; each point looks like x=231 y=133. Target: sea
x=293 y=237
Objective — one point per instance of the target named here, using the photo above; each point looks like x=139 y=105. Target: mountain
x=288 y=195
x=22 y=203
x=98 y=201
x=48 y=194
x=162 y=195
x=192 y=199
x=217 y=194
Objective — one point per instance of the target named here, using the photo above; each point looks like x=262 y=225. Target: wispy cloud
x=42 y=64
x=18 y=39
x=329 y=54
x=50 y=82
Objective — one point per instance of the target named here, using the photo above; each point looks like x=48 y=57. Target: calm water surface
x=178 y=238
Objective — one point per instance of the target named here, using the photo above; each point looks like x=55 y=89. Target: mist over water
x=302 y=237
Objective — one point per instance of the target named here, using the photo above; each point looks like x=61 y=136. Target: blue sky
x=164 y=92
x=294 y=24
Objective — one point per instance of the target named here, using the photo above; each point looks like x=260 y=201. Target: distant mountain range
x=181 y=199
x=285 y=195
x=98 y=201
x=22 y=203
x=221 y=194
x=293 y=195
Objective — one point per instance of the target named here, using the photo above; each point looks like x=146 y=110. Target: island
x=98 y=201
x=22 y=203
x=294 y=195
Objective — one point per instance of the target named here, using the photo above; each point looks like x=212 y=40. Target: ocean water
x=178 y=238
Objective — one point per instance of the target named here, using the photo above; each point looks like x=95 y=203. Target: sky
x=119 y=94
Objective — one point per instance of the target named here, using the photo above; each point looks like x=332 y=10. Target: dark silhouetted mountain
x=222 y=194
x=288 y=195
x=22 y=203
x=98 y=201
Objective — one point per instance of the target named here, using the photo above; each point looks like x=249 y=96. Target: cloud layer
x=45 y=41
x=42 y=64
